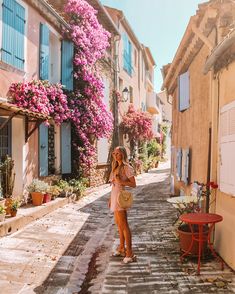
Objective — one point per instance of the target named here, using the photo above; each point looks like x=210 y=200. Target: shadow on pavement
x=60 y=274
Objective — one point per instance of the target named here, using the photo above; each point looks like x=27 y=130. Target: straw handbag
x=125 y=199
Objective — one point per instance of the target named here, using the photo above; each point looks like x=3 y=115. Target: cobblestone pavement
x=68 y=251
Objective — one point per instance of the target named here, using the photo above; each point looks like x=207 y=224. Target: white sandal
x=117 y=253
x=130 y=259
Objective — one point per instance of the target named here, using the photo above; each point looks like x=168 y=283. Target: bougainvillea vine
x=89 y=112
x=41 y=97
x=137 y=125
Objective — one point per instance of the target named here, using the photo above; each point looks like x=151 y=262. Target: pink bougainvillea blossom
x=137 y=125
x=89 y=113
x=42 y=97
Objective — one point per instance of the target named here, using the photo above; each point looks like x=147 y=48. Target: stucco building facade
x=200 y=83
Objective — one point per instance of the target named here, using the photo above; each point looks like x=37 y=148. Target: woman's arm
x=130 y=182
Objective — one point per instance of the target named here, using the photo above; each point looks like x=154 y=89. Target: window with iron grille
x=5 y=138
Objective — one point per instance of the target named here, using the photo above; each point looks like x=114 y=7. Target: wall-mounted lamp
x=125 y=94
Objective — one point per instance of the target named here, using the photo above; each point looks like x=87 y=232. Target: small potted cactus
x=7 y=180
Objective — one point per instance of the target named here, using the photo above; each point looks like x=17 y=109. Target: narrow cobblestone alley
x=68 y=251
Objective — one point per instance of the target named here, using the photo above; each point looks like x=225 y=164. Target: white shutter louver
x=227 y=147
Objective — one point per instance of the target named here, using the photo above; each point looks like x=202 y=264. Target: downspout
x=213 y=128
x=116 y=137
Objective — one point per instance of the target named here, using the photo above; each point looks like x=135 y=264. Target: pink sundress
x=116 y=188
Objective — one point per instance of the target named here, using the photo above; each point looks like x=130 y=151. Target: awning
x=11 y=110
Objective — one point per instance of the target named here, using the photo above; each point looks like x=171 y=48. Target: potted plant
x=2 y=213
x=14 y=207
x=66 y=189
x=47 y=195
x=37 y=189
x=194 y=206
x=7 y=180
x=78 y=186
x=54 y=190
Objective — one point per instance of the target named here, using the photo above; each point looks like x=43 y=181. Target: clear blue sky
x=159 y=25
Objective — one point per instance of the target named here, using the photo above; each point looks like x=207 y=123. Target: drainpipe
x=116 y=133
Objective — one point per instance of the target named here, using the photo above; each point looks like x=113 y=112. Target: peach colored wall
x=225 y=204
x=29 y=151
x=196 y=118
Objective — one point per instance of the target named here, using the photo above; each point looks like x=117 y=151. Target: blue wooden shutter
x=67 y=64
x=8 y=31
x=179 y=164
x=13 y=29
x=129 y=57
x=66 y=148
x=19 y=36
x=184 y=91
x=125 y=52
x=44 y=52
x=43 y=150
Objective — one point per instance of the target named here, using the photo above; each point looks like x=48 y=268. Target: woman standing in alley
x=122 y=175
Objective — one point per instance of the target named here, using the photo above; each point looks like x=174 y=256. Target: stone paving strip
x=69 y=250
x=29 y=255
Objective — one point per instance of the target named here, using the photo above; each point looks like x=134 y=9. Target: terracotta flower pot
x=8 y=203
x=13 y=212
x=185 y=237
x=46 y=197
x=37 y=198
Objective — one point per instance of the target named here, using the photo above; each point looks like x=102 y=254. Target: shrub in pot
x=54 y=191
x=14 y=207
x=37 y=189
x=185 y=238
x=184 y=231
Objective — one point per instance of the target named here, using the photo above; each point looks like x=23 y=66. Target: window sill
x=11 y=68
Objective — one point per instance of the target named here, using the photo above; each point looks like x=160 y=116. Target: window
x=179 y=164
x=227 y=147
x=127 y=54
x=183 y=165
x=183 y=91
x=13 y=30
x=5 y=138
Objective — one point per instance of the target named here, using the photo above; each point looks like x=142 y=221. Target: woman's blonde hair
x=124 y=157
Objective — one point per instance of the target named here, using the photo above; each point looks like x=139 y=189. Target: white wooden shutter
x=179 y=164
x=184 y=91
x=227 y=149
x=102 y=145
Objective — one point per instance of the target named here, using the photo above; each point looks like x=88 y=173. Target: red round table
x=201 y=219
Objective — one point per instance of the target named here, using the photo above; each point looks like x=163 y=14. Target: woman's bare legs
x=121 y=247
x=124 y=231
